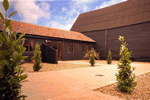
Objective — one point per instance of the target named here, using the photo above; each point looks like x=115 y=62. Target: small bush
x=92 y=54
x=11 y=50
x=92 y=59
x=125 y=77
x=37 y=57
x=109 y=57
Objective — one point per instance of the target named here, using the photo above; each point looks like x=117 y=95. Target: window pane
x=26 y=48
x=49 y=44
x=32 y=45
x=39 y=42
x=71 y=47
x=54 y=45
x=86 y=48
x=25 y=43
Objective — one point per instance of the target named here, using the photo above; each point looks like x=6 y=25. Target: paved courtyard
x=75 y=84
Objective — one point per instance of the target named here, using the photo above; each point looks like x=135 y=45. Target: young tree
x=37 y=57
x=125 y=77
x=92 y=54
x=11 y=52
x=109 y=57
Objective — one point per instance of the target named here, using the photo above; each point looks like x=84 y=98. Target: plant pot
x=32 y=61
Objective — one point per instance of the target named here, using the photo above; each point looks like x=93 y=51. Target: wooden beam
x=105 y=38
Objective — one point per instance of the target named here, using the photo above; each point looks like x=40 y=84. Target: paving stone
x=73 y=84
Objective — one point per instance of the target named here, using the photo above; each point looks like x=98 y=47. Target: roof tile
x=32 y=29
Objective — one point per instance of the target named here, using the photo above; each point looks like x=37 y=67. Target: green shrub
x=125 y=77
x=37 y=57
x=11 y=52
x=92 y=54
x=92 y=59
x=109 y=57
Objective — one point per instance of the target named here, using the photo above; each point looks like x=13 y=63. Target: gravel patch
x=52 y=67
x=71 y=64
x=141 y=91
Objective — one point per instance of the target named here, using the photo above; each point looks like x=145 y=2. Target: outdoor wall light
x=46 y=40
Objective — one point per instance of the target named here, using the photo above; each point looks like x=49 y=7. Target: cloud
x=64 y=9
x=73 y=11
x=56 y=24
x=69 y=23
x=27 y=0
x=76 y=7
x=2 y=9
x=32 y=12
x=65 y=26
x=11 y=3
x=83 y=1
x=109 y=3
x=44 y=6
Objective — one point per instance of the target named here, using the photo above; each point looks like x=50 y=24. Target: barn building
x=130 y=19
x=69 y=45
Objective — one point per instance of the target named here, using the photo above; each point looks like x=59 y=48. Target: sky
x=60 y=14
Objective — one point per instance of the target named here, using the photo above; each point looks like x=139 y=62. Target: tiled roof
x=126 y=13
x=22 y=27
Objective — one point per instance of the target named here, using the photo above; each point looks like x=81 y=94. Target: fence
x=49 y=54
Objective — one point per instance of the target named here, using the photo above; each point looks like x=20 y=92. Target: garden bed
x=141 y=91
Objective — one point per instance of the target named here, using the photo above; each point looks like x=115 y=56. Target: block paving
x=73 y=84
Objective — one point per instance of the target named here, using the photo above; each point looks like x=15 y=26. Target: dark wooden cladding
x=105 y=38
x=78 y=50
x=43 y=41
x=99 y=37
x=49 y=54
x=56 y=57
x=122 y=14
x=62 y=50
x=137 y=37
x=78 y=54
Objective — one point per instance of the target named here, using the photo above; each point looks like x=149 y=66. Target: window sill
x=70 y=52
